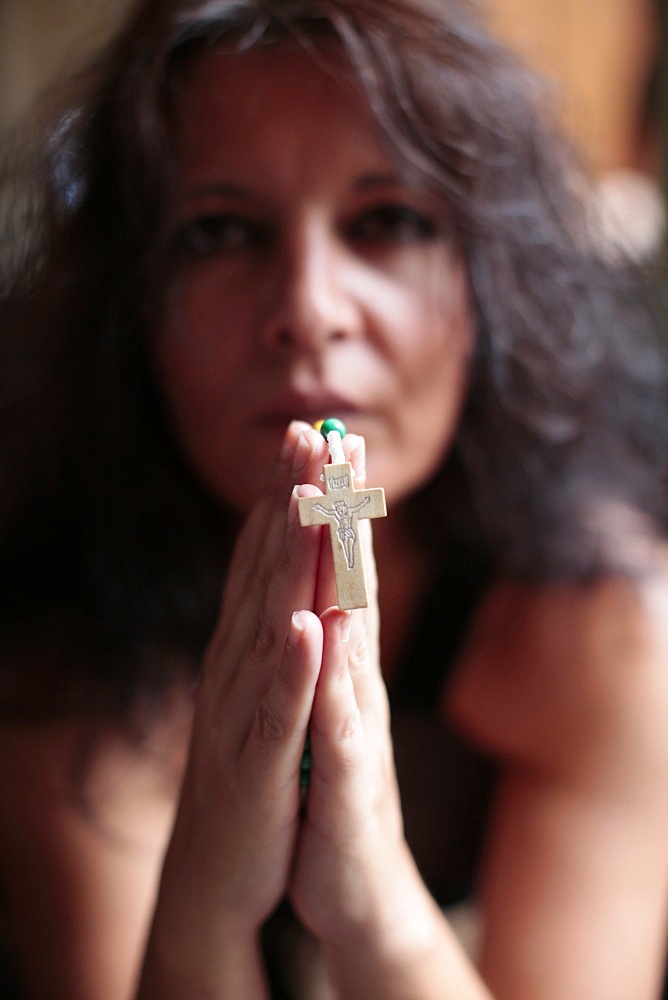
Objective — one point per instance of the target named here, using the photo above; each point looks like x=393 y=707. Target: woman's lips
x=281 y=414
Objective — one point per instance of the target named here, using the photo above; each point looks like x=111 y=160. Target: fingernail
x=296 y=629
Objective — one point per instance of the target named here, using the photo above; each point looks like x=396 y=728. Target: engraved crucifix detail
x=346 y=505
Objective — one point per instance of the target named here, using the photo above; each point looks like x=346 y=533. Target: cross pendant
x=341 y=507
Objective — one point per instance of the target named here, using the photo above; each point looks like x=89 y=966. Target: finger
x=308 y=455
x=368 y=621
x=272 y=574
x=352 y=769
x=365 y=673
x=355 y=448
x=293 y=459
x=253 y=642
x=272 y=750
x=337 y=736
x=261 y=546
x=300 y=462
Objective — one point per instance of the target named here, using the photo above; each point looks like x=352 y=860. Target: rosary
x=341 y=508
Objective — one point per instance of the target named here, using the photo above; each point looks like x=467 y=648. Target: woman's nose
x=310 y=300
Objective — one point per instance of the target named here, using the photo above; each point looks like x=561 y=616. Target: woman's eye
x=219 y=234
x=392 y=224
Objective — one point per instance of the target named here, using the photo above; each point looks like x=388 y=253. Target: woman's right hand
x=229 y=858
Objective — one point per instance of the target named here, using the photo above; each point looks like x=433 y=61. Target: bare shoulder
x=84 y=820
x=552 y=671
x=94 y=771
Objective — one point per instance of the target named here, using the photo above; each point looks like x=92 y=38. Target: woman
x=265 y=213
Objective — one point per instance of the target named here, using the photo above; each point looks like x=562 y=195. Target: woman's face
x=312 y=281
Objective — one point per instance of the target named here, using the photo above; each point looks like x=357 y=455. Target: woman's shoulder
x=85 y=815
x=67 y=762
x=551 y=670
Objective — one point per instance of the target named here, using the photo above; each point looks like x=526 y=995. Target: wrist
x=404 y=949
x=194 y=950
x=400 y=925
x=220 y=965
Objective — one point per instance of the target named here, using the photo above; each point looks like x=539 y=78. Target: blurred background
x=604 y=56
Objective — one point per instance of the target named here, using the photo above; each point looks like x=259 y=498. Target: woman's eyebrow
x=370 y=181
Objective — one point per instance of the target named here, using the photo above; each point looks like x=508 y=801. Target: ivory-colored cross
x=341 y=507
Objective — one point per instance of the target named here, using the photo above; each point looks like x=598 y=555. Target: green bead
x=332 y=424
x=305 y=769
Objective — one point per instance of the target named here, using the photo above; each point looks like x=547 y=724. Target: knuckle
x=349 y=740
x=358 y=658
x=270 y=728
x=265 y=635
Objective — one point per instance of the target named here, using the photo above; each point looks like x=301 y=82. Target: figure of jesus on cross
x=345 y=506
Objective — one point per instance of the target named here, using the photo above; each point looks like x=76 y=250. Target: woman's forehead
x=249 y=78
x=273 y=103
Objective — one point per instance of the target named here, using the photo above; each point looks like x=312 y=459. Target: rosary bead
x=331 y=424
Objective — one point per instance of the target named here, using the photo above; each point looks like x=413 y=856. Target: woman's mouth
x=279 y=414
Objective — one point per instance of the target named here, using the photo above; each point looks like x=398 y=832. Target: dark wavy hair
x=112 y=554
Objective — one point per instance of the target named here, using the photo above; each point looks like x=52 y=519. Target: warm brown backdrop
x=601 y=52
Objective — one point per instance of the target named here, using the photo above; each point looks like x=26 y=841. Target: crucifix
x=341 y=508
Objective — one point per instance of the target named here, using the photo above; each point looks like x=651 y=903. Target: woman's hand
x=354 y=884
x=233 y=842
x=285 y=661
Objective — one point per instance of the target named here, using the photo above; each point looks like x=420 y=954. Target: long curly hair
x=112 y=553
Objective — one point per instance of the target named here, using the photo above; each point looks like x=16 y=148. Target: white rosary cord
x=335 y=448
